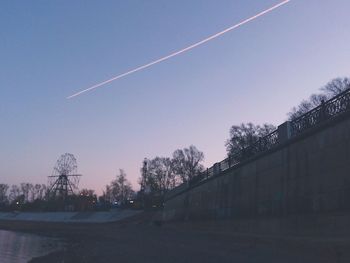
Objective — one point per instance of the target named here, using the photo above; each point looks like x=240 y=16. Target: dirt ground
x=141 y=239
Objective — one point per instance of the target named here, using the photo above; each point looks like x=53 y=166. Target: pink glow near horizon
x=182 y=50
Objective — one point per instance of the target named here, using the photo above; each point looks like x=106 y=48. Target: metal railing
x=261 y=145
x=327 y=110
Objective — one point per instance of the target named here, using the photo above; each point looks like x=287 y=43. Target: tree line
x=245 y=134
x=331 y=89
x=35 y=197
x=23 y=193
x=118 y=191
x=164 y=173
x=161 y=174
x=158 y=176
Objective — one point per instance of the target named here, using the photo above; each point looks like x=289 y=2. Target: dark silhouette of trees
x=107 y=194
x=25 y=196
x=3 y=194
x=25 y=190
x=29 y=192
x=331 y=89
x=87 y=192
x=162 y=174
x=39 y=192
x=119 y=190
x=159 y=176
x=15 y=193
x=35 y=197
x=336 y=86
x=241 y=136
x=187 y=163
x=86 y=200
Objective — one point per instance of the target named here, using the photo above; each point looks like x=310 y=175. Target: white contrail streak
x=182 y=50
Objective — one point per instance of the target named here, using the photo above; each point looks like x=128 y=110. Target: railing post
x=284 y=132
x=323 y=110
x=261 y=145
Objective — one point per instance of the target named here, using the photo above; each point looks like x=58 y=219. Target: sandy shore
x=138 y=239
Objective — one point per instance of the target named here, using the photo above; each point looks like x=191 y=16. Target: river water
x=16 y=247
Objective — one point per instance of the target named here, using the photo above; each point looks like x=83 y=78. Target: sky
x=256 y=73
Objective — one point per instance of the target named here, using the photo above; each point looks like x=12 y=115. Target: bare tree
x=160 y=176
x=32 y=193
x=90 y=193
x=336 y=86
x=307 y=105
x=187 y=163
x=120 y=188
x=168 y=179
x=3 y=193
x=39 y=192
x=26 y=188
x=147 y=182
x=87 y=192
x=241 y=136
x=107 y=194
x=331 y=89
x=15 y=193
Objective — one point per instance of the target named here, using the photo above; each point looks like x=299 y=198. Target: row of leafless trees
x=35 y=197
x=158 y=175
x=24 y=193
x=245 y=134
x=119 y=190
x=161 y=174
x=331 y=89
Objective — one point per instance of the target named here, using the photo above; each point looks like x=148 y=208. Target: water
x=18 y=247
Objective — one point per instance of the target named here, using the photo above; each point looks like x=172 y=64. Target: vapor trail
x=182 y=50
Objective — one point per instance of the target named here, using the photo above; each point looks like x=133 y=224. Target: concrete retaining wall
x=308 y=175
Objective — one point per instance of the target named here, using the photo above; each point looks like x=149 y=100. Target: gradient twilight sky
x=51 y=49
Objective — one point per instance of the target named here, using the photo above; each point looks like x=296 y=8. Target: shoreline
x=139 y=239
x=70 y=217
x=19 y=246
x=66 y=232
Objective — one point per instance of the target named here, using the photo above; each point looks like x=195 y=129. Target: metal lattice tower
x=64 y=179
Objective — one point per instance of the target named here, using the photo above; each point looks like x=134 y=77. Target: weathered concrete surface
x=307 y=178
x=139 y=240
x=69 y=217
